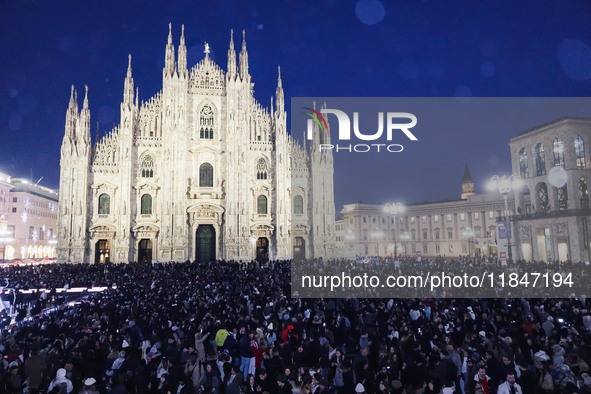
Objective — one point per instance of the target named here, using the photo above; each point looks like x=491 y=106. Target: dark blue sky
x=325 y=48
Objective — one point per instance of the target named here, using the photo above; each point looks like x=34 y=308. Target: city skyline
x=379 y=49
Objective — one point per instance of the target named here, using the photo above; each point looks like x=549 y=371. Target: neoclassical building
x=553 y=215
x=547 y=211
x=200 y=171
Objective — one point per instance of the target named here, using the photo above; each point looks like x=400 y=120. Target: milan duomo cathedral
x=200 y=171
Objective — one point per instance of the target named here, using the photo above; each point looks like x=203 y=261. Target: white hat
x=89 y=382
x=270 y=326
x=482 y=333
x=125 y=344
x=447 y=390
x=359 y=388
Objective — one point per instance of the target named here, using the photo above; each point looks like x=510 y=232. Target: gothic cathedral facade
x=200 y=171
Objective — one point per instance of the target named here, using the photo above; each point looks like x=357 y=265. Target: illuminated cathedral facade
x=200 y=171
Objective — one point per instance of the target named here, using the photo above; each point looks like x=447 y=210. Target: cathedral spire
x=243 y=58
x=279 y=92
x=467 y=183
x=169 y=56
x=71 y=116
x=128 y=85
x=182 y=59
x=231 y=57
x=84 y=128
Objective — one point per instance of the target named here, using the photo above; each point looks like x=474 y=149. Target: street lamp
x=5 y=237
x=394 y=209
x=376 y=235
x=505 y=184
x=468 y=233
x=405 y=237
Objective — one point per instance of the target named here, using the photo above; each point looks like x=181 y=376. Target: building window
x=10 y=230
x=523 y=170
x=477 y=232
x=450 y=234
x=580 y=153
x=476 y=215
x=262 y=169
x=562 y=198
x=436 y=218
x=298 y=205
x=393 y=232
x=413 y=235
x=462 y=216
x=364 y=219
x=262 y=205
x=491 y=214
x=206 y=175
x=558 y=152
x=412 y=219
x=104 y=204
x=450 y=248
x=31 y=233
x=437 y=249
x=436 y=233
x=41 y=233
x=414 y=249
x=424 y=219
x=584 y=193
x=206 y=123
x=425 y=249
x=146 y=204
x=543 y=196
x=365 y=235
x=424 y=235
x=13 y=209
x=540 y=160
x=147 y=167
x=14 y=199
x=464 y=249
x=448 y=217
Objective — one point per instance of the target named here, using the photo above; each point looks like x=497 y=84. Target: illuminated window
x=558 y=152
x=523 y=170
x=540 y=160
x=584 y=193
x=562 y=198
x=580 y=153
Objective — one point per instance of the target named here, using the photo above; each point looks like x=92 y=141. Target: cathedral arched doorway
x=262 y=249
x=299 y=248
x=145 y=251
x=205 y=243
x=102 y=252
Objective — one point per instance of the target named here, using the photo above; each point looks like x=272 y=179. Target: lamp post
x=5 y=237
x=468 y=233
x=505 y=184
x=376 y=234
x=405 y=237
x=393 y=209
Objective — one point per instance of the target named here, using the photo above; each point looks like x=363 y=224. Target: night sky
x=366 y=48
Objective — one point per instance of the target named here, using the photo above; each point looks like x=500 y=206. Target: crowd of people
x=226 y=327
